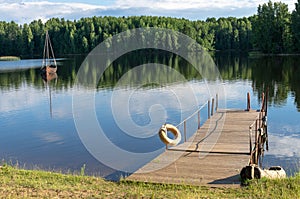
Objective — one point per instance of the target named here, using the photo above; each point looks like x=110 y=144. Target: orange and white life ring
x=165 y=139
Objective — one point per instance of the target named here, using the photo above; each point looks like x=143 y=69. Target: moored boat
x=49 y=65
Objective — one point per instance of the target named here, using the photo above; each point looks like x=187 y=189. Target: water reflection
x=280 y=74
x=29 y=134
x=47 y=78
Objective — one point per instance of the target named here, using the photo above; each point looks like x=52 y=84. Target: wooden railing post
x=208 y=109
x=217 y=101
x=184 y=131
x=199 y=119
x=212 y=106
x=256 y=144
x=250 y=144
x=266 y=102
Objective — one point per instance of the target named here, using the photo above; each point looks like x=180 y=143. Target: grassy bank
x=9 y=58
x=19 y=183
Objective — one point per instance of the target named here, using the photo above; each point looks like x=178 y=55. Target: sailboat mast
x=52 y=52
x=49 y=62
x=44 y=53
x=47 y=49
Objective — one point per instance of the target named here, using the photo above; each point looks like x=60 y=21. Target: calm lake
x=37 y=128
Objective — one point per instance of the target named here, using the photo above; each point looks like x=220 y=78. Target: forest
x=272 y=30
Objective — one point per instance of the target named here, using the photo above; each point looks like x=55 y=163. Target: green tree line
x=272 y=30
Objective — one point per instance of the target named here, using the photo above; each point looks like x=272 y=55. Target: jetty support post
x=248 y=102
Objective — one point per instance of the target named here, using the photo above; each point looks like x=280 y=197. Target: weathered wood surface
x=213 y=156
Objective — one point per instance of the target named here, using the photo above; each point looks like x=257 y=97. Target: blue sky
x=25 y=11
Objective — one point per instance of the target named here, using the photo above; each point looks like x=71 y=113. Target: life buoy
x=163 y=134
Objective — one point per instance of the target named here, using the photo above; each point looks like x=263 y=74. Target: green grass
x=9 y=58
x=19 y=183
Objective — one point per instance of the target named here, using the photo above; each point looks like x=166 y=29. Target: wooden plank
x=213 y=156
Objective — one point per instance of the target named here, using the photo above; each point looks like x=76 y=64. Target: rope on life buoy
x=165 y=139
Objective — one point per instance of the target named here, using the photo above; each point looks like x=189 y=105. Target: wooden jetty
x=213 y=156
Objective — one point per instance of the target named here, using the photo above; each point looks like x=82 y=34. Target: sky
x=25 y=11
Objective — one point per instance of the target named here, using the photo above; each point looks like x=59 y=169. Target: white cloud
x=51 y=137
x=23 y=97
x=27 y=11
x=22 y=12
x=124 y=103
x=10 y=1
x=284 y=146
x=290 y=129
x=182 y=5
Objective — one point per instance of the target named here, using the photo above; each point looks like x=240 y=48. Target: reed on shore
x=9 y=58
